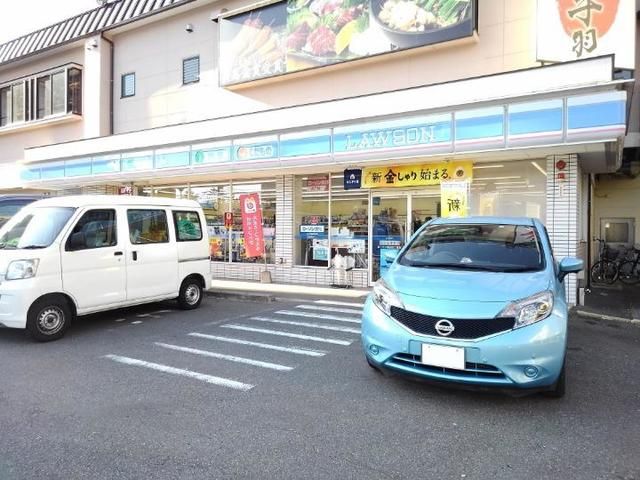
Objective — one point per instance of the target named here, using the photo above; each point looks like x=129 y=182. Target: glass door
x=389 y=229
x=424 y=207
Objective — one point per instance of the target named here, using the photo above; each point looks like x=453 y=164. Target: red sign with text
x=252 y=225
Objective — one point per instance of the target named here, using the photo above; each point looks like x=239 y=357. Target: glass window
x=35 y=228
x=128 y=85
x=349 y=222
x=214 y=200
x=95 y=229
x=58 y=92
x=267 y=191
x=191 y=70
x=5 y=106
x=188 y=226
x=311 y=221
x=74 y=91
x=492 y=247
x=147 y=226
x=44 y=97
x=512 y=188
x=18 y=102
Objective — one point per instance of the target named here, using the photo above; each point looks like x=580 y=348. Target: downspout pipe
x=111 y=63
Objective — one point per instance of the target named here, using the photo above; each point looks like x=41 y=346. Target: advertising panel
x=416 y=175
x=575 y=29
x=252 y=224
x=454 y=199
x=296 y=35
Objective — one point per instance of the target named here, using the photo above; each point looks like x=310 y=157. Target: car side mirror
x=569 y=265
x=391 y=255
x=77 y=241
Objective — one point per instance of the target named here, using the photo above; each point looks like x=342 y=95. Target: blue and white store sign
x=550 y=122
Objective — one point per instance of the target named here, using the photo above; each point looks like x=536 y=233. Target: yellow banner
x=416 y=175
x=454 y=199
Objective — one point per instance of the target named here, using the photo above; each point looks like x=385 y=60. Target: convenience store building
x=357 y=173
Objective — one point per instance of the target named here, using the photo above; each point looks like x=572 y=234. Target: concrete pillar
x=96 y=100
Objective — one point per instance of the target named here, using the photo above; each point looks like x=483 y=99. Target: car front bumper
x=16 y=296
x=495 y=361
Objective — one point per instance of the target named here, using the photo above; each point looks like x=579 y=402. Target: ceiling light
x=540 y=169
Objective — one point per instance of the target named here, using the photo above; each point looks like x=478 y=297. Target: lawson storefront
x=357 y=188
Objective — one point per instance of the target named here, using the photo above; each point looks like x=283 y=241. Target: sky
x=24 y=16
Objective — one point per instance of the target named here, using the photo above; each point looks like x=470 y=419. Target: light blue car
x=477 y=301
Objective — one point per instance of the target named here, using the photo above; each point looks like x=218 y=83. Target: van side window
x=95 y=229
x=147 y=226
x=188 y=226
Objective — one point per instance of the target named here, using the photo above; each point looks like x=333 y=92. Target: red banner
x=252 y=224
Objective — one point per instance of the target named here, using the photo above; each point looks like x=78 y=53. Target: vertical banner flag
x=252 y=224
x=454 y=198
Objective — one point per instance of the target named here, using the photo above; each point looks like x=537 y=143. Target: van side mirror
x=569 y=265
x=77 y=241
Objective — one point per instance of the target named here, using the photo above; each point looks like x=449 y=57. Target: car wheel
x=559 y=388
x=191 y=292
x=49 y=318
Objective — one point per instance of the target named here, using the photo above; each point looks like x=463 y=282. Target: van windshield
x=34 y=228
x=492 y=247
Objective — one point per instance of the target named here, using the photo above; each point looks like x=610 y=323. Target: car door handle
x=134 y=255
x=117 y=254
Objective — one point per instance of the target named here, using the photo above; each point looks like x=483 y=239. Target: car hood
x=442 y=284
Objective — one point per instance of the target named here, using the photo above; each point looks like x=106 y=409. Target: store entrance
x=395 y=216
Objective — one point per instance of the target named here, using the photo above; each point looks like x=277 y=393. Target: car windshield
x=34 y=227
x=491 y=247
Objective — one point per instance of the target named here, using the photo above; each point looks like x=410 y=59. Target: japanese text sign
x=416 y=175
x=575 y=29
x=252 y=225
x=454 y=198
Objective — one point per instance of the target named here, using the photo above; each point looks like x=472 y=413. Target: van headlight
x=529 y=310
x=19 y=269
x=385 y=297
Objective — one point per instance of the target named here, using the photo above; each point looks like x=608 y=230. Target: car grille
x=463 y=328
x=471 y=369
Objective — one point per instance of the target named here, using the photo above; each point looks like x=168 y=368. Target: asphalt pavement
x=241 y=389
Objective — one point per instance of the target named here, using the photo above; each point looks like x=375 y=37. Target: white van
x=76 y=255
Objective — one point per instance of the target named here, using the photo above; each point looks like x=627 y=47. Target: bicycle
x=629 y=270
x=605 y=270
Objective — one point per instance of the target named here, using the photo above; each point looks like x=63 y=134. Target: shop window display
x=214 y=200
x=349 y=223
x=312 y=221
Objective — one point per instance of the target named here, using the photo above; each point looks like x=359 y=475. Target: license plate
x=443 y=356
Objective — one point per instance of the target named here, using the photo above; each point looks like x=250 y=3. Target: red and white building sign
x=252 y=224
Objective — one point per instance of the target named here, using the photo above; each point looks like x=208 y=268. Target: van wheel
x=48 y=319
x=190 y=295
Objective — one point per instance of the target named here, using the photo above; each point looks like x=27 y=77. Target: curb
x=598 y=316
x=251 y=297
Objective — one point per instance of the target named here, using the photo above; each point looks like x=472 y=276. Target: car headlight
x=20 y=269
x=529 y=310
x=385 y=297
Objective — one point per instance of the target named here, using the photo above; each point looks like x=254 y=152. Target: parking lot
x=243 y=389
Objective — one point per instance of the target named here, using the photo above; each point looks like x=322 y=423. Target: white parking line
x=342 y=304
x=329 y=309
x=306 y=324
x=223 y=382
x=296 y=350
x=280 y=333
x=231 y=358
x=316 y=316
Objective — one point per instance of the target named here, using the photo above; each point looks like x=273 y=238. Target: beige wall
x=12 y=144
x=155 y=52
x=616 y=197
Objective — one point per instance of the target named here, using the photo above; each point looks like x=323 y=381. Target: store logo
x=352 y=179
x=444 y=327
x=399 y=137
x=255 y=152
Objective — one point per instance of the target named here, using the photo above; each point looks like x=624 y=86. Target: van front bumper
x=498 y=361
x=15 y=301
